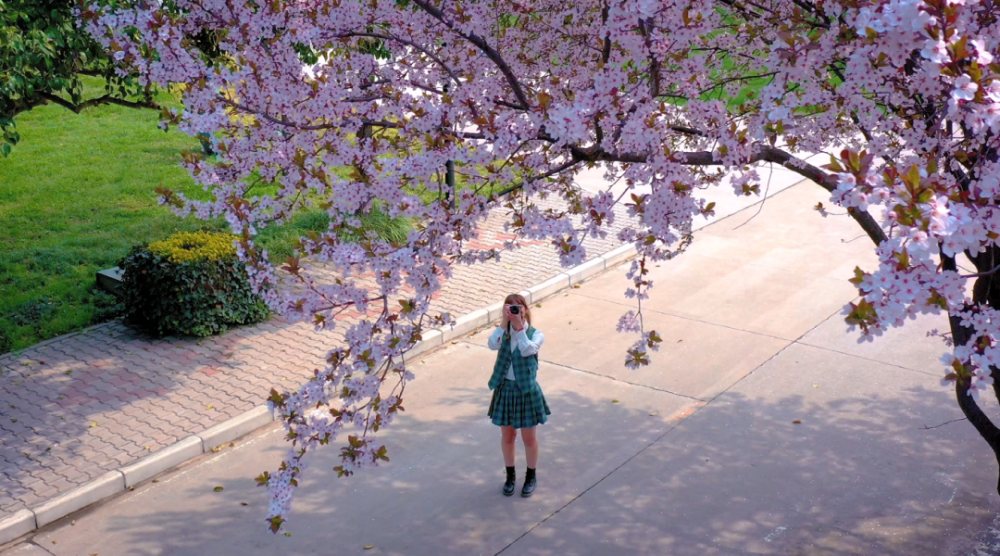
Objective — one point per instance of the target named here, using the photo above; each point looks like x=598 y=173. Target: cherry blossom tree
x=44 y=53
x=669 y=97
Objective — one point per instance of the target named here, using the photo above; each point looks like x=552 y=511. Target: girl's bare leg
x=508 y=438
x=530 y=447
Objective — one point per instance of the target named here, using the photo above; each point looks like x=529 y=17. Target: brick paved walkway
x=80 y=405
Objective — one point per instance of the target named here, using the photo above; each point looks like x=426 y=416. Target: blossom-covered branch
x=360 y=104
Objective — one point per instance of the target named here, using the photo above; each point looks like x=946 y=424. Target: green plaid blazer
x=525 y=368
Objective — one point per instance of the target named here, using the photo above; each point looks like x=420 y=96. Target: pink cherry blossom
x=936 y=51
x=965 y=88
x=358 y=104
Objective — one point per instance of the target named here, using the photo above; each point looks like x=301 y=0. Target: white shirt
x=519 y=340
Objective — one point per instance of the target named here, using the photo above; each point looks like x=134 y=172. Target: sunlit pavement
x=761 y=427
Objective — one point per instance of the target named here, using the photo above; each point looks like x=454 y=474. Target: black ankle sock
x=530 y=474
x=510 y=471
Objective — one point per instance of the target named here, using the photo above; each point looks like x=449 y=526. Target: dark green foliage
x=106 y=306
x=197 y=299
x=6 y=342
x=70 y=207
x=74 y=198
x=31 y=312
x=44 y=53
x=279 y=241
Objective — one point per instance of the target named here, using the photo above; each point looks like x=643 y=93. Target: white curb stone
x=549 y=287
x=586 y=270
x=106 y=485
x=26 y=549
x=465 y=324
x=13 y=526
x=619 y=255
x=236 y=427
x=157 y=463
x=495 y=311
x=431 y=339
x=113 y=482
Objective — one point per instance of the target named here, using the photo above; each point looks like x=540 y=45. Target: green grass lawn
x=76 y=194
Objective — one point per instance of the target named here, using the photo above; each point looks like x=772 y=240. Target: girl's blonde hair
x=518 y=299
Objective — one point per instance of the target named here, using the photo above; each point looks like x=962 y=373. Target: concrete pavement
x=83 y=405
x=699 y=453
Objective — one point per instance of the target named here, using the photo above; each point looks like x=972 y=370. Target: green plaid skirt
x=512 y=408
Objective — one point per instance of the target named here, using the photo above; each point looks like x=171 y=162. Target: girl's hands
x=516 y=321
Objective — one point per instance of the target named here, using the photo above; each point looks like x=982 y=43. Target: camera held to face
x=514 y=309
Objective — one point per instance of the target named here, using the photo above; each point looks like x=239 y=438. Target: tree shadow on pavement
x=85 y=404
x=855 y=476
x=858 y=475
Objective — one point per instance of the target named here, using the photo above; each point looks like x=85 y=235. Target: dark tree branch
x=741 y=9
x=765 y=154
x=606 y=50
x=424 y=51
x=734 y=79
x=506 y=104
x=646 y=28
x=56 y=99
x=982 y=274
x=828 y=182
x=598 y=130
x=318 y=127
x=106 y=99
x=760 y=7
x=423 y=87
x=687 y=130
x=367 y=98
x=481 y=43
x=620 y=127
x=121 y=102
x=561 y=168
x=961 y=336
x=968 y=405
x=25 y=107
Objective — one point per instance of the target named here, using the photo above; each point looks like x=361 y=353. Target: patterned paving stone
x=76 y=406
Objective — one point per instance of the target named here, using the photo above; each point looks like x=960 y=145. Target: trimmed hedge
x=190 y=284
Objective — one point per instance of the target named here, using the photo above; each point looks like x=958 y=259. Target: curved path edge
x=22 y=523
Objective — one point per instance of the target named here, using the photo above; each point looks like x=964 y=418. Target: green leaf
x=859 y=276
x=275 y=523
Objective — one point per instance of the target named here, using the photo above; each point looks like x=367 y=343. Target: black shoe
x=529 y=487
x=508 y=487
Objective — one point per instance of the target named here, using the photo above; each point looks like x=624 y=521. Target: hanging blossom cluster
x=934 y=174
x=357 y=105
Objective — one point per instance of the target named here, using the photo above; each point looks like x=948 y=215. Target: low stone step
x=110 y=280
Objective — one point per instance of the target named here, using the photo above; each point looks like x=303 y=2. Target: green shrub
x=190 y=284
x=6 y=342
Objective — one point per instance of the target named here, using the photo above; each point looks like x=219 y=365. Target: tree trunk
x=984 y=426
x=986 y=291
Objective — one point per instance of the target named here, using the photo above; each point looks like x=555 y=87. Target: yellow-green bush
x=189 y=283
x=189 y=247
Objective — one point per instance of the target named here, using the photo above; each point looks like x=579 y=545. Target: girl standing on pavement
x=518 y=401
